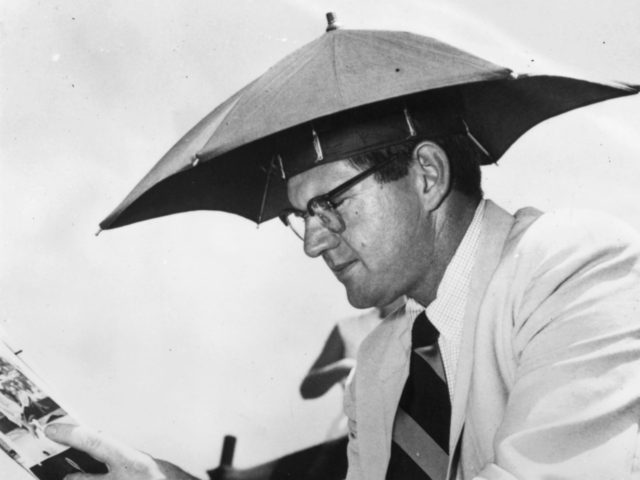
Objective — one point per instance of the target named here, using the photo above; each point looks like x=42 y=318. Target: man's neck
x=452 y=222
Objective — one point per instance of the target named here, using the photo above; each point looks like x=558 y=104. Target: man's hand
x=124 y=462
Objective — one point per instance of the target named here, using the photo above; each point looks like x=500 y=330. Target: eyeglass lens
x=330 y=218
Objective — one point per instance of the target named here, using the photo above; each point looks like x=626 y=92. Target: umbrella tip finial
x=332 y=21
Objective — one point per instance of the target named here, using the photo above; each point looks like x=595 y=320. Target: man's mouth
x=341 y=269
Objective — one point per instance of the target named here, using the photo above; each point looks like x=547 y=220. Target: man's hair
x=464 y=161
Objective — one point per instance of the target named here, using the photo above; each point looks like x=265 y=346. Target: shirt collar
x=446 y=311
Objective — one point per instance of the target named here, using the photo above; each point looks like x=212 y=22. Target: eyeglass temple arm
x=351 y=182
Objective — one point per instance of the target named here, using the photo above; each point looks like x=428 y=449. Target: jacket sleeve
x=354 y=471
x=574 y=394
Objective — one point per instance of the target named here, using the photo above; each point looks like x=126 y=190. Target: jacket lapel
x=495 y=229
x=383 y=383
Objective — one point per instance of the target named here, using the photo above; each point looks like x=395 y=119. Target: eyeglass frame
x=318 y=203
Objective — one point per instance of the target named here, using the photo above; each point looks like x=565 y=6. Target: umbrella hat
x=237 y=159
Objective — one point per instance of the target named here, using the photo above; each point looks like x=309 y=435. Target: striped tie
x=419 y=449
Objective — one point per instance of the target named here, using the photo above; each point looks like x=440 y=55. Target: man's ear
x=433 y=173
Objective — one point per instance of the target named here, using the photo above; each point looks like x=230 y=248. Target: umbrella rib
x=476 y=141
x=265 y=191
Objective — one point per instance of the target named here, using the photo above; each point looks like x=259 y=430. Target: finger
x=58 y=432
x=82 y=439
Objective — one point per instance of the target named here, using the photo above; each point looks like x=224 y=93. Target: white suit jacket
x=548 y=379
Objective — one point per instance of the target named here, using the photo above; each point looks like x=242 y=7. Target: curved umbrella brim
x=498 y=112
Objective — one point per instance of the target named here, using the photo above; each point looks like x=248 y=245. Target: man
x=537 y=317
x=534 y=344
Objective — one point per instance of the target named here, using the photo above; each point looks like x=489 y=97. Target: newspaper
x=25 y=410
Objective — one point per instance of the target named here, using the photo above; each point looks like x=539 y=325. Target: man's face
x=383 y=251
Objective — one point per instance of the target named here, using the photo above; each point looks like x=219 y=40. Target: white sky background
x=171 y=333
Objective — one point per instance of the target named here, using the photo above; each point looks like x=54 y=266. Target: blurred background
x=170 y=333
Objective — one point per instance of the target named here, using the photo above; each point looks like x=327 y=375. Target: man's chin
x=360 y=299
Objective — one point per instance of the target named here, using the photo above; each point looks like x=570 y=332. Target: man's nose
x=318 y=238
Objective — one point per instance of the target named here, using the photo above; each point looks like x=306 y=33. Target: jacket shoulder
x=569 y=232
x=566 y=267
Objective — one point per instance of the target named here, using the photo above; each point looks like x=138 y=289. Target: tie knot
x=423 y=333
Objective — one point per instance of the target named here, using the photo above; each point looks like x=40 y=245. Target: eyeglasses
x=325 y=206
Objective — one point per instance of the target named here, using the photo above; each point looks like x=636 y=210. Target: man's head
x=399 y=226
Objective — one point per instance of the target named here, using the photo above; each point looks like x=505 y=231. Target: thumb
x=81 y=438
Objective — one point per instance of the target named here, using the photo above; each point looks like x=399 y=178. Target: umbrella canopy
x=228 y=161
